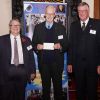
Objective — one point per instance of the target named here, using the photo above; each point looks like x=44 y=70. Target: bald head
x=50 y=8
x=50 y=13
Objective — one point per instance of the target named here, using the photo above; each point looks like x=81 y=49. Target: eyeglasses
x=15 y=25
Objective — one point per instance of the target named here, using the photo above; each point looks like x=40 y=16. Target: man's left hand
x=98 y=69
x=32 y=77
x=57 y=46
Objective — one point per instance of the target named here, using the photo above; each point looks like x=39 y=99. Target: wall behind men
x=91 y=4
x=6 y=14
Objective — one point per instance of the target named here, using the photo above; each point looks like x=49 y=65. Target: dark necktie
x=16 y=58
x=48 y=26
x=83 y=26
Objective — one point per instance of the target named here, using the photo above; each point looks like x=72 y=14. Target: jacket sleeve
x=70 y=45
x=31 y=59
x=63 y=42
x=35 y=39
x=98 y=41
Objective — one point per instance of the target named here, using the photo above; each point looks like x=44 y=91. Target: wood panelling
x=97 y=9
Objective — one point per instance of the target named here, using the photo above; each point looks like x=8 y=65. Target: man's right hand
x=39 y=46
x=69 y=68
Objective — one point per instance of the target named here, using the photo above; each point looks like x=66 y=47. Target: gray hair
x=83 y=4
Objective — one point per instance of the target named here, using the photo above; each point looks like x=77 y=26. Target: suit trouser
x=54 y=72
x=86 y=81
x=14 y=88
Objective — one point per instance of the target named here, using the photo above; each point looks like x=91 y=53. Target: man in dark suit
x=49 y=42
x=17 y=65
x=84 y=53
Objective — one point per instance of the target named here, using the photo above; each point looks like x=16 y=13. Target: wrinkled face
x=15 y=27
x=83 y=12
x=50 y=14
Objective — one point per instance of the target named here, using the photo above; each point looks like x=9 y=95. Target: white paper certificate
x=48 y=46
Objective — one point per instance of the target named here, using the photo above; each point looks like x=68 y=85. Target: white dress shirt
x=20 y=51
x=86 y=21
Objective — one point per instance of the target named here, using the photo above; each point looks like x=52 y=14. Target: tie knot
x=48 y=26
x=15 y=38
x=83 y=23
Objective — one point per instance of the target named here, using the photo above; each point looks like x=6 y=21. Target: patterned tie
x=16 y=58
x=83 y=26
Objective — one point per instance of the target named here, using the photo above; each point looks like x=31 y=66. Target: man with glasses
x=84 y=53
x=17 y=65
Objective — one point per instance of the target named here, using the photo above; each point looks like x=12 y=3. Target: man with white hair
x=49 y=42
x=84 y=53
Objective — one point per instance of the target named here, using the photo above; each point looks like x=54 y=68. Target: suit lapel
x=24 y=46
x=44 y=30
x=79 y=25
x=56 y=32
x=79 y=29
x=89 y=25
x=8 y=44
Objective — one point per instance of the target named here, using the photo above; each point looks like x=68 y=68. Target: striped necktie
x=83 y=26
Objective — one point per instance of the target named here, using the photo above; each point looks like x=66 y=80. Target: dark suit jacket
x=38 y=38
x=84 y=45
x=5 y=56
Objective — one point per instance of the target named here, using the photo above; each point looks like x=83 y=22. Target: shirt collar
x=12 y=36
x=86 y=21
x=49 y=24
